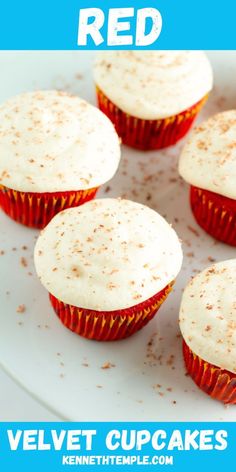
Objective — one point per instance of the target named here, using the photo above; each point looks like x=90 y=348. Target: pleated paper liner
x=148 y=134
x=220 y=384
x=109 y=325
x=37 y=209
x=215 y=213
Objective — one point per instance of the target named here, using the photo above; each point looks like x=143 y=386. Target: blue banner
x=175 y=446
x=100 y=24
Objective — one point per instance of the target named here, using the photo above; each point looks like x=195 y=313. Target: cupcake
x=55 y=151
x=208 y=164
x=152 y=97
x=108 y=266
x=208 y=326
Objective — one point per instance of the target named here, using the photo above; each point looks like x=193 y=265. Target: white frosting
x=108 y=254
x=153 y=84
x=208 y=315
x=51 y=141
x=208 y=159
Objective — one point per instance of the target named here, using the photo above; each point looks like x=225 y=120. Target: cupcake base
x=37 y=209
x=148 y=134
x=109 y=325
x=220 y=384
x=215 y=213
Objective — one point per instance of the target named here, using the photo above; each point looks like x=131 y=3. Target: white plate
x=62 y=370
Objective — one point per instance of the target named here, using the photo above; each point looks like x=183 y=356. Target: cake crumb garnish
x=208 y=328
x=111 y=286
x=107 y=365
x=211 y=259
x=21 y=309
x=23 y=262
x=193 y=230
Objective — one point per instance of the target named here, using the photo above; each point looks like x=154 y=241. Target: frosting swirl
x=208 y=160
x=51 y=141
x=208 y=315
x=107 y=254
x=153 y=84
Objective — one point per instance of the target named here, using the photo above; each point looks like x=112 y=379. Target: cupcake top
x=208 y=159
x=107 y=254
x=153 y=84
x=51 y=141
x=208 y=315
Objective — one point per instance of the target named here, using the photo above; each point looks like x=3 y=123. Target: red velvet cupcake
x=208 y=326
x=108 y=266
x=56 y=150
x=152 y=97
x=208 y=164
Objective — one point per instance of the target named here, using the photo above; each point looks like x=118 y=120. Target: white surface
x=52 y=142
x=208 y=159
x=153 y=84
x=208 y=315
x=29 y=350
x=135 y=255
x=17 y=405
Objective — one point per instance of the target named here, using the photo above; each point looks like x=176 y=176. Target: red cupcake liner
x=215 y=213
x=37 y=209
x=220 y=384
x=148 y=134
x=108 y=325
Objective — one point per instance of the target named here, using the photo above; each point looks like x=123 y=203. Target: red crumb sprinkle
x=194 y=231
x=107 y=365
x=170 y=360
x=21 y=309
x=211 y=259
x=208 y=328
x=23 y=262
x=209 y=307
x=190 y=254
